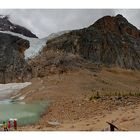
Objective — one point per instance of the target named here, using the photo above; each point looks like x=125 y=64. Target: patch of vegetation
x=117 y=94
x=95 y=97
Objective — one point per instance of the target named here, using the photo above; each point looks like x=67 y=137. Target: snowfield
x=12 y=87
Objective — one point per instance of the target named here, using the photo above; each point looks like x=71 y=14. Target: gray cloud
x=46 y=21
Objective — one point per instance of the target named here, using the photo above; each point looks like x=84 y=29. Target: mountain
x=110 y=41
x=7 y=25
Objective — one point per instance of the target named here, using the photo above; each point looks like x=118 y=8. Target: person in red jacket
x=9 y=125
x=15 y=124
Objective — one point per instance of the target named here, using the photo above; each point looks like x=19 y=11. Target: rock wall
x=13 y=67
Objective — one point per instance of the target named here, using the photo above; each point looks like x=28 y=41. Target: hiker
x=15 y=124
x=5 y=126
x=9 y=125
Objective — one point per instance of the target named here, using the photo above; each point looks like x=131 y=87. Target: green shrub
x=95 y=97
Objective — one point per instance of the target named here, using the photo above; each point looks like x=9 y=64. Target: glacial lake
x=24 y=113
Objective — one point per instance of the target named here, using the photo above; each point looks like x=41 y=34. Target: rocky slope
x=7 y=25
x=12 y=62
x=110 y=41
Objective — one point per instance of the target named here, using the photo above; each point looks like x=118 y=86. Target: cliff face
x=6 y=25
x=110 y=41
x=12 y=63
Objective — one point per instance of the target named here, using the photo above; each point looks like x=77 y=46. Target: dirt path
x=72 y=107
x=125 y=118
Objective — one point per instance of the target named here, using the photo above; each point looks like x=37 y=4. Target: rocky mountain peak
x=7 y=25
x=116 y=24
x=110 y=41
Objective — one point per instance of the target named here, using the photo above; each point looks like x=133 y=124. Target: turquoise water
x=25 y=113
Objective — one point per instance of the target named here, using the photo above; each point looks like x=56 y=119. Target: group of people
x=8 y=125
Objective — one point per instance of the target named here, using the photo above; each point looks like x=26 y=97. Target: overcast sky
x=44 y=22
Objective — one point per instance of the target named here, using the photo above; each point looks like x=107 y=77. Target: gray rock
x=12 y=63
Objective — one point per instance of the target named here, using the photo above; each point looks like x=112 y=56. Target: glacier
x=36 y=44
